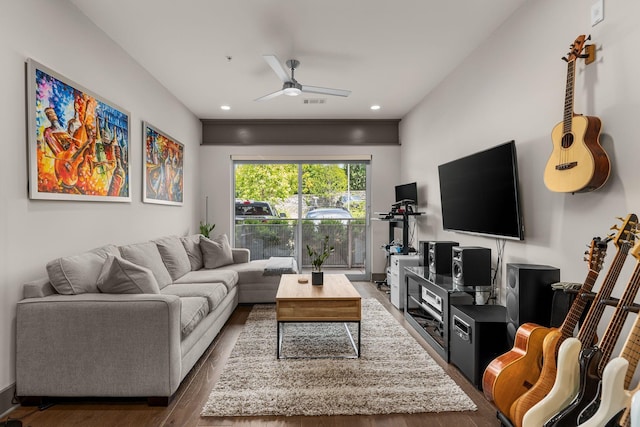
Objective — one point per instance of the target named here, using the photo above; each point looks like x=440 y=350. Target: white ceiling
x=387 y=52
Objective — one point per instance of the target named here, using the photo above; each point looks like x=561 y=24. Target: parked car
x=250 y=209
x=329 y=213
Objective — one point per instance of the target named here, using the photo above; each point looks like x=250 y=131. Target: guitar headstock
x=576 y=48
x=596 y=253
x=626 y=233
x=635 y=251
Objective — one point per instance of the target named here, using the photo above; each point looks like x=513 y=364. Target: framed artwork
x=163 y=175
x=78 y=141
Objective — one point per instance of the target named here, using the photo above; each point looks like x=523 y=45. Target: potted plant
x=317 y=259
x=206 y=228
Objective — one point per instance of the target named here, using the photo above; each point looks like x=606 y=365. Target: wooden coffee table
x=334 y=301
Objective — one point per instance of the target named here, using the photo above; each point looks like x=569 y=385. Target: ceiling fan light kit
x=290 y=85
x=292 y=88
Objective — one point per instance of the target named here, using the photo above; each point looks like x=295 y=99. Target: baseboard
x=6 y=400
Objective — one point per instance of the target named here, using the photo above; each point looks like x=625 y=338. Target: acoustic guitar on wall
x=578 y=163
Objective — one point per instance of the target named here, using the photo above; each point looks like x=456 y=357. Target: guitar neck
x=631 y=351
x=614 y=328
x=568 y=96
x=577 y=307
x=588 y=330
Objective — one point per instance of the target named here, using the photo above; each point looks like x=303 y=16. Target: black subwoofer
x=478 y=334
x=529 y=295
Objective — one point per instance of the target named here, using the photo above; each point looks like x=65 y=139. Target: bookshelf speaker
x=437 y=256
x=529 y=295
x=471 y=266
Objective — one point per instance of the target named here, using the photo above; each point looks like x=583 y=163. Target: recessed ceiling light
x=375 y=107
x=225 y=107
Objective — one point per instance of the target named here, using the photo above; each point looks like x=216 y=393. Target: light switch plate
x=597 y=12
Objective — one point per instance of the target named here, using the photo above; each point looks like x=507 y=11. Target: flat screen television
x=480 y=193
x=407 y=192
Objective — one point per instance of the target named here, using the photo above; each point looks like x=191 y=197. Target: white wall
x=32 y=232
x=216 y=177
x=513 y=87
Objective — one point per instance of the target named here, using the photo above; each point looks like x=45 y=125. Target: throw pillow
x=192 y=246
x=147 y=255
x=120 y=276
x=216 y=252
x=78 y=274
x=174 y=256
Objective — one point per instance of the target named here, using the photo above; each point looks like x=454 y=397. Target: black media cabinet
x=428 y=305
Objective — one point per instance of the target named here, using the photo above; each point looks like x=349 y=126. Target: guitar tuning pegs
x=588 y=37
x=564 y=58
x=614 y=227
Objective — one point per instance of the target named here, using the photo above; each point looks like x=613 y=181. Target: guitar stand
x=504 y=421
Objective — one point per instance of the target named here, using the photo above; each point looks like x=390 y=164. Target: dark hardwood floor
x=184 y=409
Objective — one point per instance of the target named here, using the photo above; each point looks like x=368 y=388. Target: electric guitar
x=634 y=419
x=578 y=163
x=593 y=359
x=631 y=414
x=556 y=337
x=565 y=386
x=617 y=373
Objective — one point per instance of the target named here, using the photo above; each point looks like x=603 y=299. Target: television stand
x=428 y=303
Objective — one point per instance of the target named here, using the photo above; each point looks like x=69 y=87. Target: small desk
x=334 y=301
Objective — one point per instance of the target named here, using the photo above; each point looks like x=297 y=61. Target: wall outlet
x=597 y=12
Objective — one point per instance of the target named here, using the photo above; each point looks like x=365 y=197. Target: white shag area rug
x=393 y=375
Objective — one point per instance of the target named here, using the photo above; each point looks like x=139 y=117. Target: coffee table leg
x=279 y=341
x=359 y=339
x=353 y=344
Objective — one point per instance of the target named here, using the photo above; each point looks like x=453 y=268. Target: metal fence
x=278 y=238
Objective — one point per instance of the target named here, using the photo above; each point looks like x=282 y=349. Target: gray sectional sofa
x=131 y=321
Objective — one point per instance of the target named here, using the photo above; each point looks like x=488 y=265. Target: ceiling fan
x=290 y=86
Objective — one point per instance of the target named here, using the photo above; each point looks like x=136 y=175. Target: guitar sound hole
x=567 y=140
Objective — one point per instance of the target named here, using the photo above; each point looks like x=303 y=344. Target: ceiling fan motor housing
x=292 y=88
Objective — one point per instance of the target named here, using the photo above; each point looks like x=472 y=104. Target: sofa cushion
x=120 y=276
x=193 y=310
x=216 y=252
x=213 y=292
x=192 y=246
x=38 y=288
x=250 y=272
x=221 y=275
x=78 y=274
x=174 y=256
x=147 y=255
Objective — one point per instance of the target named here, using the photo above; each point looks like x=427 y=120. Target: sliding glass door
x=283 y=207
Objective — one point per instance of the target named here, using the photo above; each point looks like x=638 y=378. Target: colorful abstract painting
x=163 y=170
x=78 y=142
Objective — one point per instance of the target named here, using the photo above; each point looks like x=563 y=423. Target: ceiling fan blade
x=325 y=90
x=276 y=65
x=270 y=96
